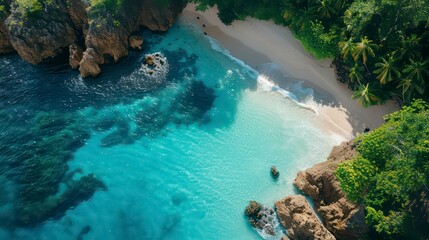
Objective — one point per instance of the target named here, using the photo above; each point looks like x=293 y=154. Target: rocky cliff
x=299 y=219
x=342 y=218
x=5 y=45
x=93 y=34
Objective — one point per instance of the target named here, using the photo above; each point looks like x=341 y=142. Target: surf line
x=268 y=85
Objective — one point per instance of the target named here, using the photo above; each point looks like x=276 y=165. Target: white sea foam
x=264 y=82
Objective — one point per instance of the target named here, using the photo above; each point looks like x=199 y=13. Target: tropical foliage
x=383 y=44
x=391 y=174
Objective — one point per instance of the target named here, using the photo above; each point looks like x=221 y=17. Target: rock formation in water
x=43 y=29
x=264 y=220
x=274 y=172
x=299 y=219
x=343 y=218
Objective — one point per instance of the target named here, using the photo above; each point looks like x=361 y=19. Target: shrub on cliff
x=31 y=8
x=391 y=175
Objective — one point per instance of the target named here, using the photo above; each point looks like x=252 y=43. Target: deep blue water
x=128 y=156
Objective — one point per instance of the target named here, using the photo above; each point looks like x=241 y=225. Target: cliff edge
x=342 y=218
x=93 y=32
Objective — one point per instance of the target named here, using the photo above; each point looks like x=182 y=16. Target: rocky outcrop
x=264 y=220
x=299 y=219
x=274 y=172
x=159 y=16
x=42 y=35
x=108 y=35
x=135 y=42
x=75 y=55
x=89 y=65
x=53 y=27
x=5 y=45
x=343 y=218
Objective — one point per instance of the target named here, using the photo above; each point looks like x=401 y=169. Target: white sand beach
x=259 y=42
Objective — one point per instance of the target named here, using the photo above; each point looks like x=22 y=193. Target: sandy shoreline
x=259 y=42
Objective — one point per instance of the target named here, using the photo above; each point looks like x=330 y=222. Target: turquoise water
x=180 y=156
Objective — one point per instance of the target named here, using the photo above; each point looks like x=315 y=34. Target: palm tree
x=339 y=4
x=414 y=82
x=386 y=69
x=347 y=47
x=410 y=46
x=325 y=9
x=304 y=18
x=355 y=73
x=416 y=70
x=365 y=96
x=363 y=48
x=408 y=87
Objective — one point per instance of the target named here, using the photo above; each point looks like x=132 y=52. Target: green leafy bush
x=391 y=174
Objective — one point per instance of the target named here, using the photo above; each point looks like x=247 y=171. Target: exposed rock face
x=299 y=219
x=89 y=65
x=264 y=220
x=158 y=17
x=40 y=37
x=5 y=45
x=135 y=42
x=343 y=218
x=105 y=33
x=108 y=37
x=75 y=55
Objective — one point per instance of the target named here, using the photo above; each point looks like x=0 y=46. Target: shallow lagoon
x=180 y=158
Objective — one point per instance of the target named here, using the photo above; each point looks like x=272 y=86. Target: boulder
x=75 y=55
x=135 y=42
x=299 y=219
x=89 y=66
x=343 y=218
x=274 y=172
x=263 y=219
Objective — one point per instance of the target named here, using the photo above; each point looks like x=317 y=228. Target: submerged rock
x=274 y=172
x=343 y=218
x=263 y=219
x=299 y=219
x=155 y=67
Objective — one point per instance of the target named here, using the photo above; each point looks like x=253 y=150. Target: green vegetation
x=391 y=174
x=111 y=5
x=105 y=12
x=31 y=8
x=382 y=45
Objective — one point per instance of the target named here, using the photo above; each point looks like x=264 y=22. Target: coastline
x=259 y=42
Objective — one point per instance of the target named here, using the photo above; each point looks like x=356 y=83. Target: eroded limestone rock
x=299 y=219
x=343 y=218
